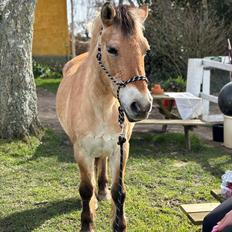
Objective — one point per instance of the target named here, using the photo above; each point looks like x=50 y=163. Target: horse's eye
x=112 y=51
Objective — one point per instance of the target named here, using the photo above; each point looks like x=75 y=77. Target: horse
x=87 y=104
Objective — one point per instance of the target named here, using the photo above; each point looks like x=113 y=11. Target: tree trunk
x=18 y=100
x=72 y=29
x=205 y=10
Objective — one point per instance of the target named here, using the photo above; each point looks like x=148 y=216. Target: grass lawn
x=39 y=184
x=50 y=84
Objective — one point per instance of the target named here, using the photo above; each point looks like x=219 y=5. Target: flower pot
x=157 y=90
x=167 y=102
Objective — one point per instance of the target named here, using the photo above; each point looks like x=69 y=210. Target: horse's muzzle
x=138 y=111
x=136 y=105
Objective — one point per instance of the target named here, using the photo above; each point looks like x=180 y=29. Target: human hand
x=226 y=221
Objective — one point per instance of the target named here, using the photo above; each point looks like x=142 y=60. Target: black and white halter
x=121 y=118
x=116 y=82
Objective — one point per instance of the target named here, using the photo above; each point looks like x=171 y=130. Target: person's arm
x=226 y=221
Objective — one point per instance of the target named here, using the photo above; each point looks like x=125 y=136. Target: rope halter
x=116 y=82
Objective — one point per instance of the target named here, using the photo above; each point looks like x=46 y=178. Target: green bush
x=177 y=84
x=177 y=33
x=44 y=71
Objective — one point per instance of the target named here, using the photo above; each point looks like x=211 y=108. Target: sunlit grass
x=48 y=83
x=39 y=184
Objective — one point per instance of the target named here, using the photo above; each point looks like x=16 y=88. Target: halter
x=121 y=119
x=116 y=82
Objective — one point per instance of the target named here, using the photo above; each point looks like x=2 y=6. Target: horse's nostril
x=135 y=107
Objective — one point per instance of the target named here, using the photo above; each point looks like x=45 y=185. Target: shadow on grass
x=54 y=144
x=31 y=219
x=172 y=146
x=49 y=84
x=156 y=146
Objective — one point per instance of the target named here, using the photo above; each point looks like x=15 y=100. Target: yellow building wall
x=51 y=36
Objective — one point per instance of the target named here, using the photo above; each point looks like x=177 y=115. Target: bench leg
x=164 y=128
x=187 y=137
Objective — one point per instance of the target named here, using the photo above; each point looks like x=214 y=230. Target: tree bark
x=205 y=10
x=18 y=100
x=72 y=29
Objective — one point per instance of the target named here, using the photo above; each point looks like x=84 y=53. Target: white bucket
x=227 y=131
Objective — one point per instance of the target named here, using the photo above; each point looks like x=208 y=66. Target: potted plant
x=176 y=84
x=173 y=84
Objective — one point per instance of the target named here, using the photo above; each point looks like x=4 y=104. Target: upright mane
x=124 y=20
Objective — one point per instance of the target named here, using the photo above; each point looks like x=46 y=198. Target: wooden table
x=165 y=111
x=171 y=118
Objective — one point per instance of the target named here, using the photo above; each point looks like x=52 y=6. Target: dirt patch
x=47 y=115
x=47 y=109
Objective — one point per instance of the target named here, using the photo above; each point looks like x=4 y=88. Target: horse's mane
x=125 y=20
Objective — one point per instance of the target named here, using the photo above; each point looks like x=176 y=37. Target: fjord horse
x=87 y=106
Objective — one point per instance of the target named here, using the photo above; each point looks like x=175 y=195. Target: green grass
x=50 y=84
x=39 y=184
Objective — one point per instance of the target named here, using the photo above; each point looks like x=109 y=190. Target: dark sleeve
x=216 y=215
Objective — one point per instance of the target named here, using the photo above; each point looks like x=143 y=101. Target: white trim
x=217 y=65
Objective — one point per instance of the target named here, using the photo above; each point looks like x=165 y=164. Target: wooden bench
x=197 y=212
x=187 y=124
x=216 y=193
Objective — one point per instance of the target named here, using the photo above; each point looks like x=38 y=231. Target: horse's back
x=70 y=68
x=70 y=73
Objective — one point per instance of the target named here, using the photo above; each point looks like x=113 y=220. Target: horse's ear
x=108 y=14
x=142 y=12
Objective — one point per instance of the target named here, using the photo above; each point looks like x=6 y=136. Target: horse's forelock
x=125 y=20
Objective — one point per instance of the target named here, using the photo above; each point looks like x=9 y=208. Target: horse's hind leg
x=120 y=224
x=87 y=192
x=102 y=178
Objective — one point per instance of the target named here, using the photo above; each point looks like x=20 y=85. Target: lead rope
x=121 y=141
x=121 y=119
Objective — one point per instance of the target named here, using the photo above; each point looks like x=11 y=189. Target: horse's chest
x=99 y=144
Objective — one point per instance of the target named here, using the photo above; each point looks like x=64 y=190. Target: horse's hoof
x=104 y=195
x=87 y=229
x=91 y=230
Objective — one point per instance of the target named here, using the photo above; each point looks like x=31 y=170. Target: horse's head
x=123 y=49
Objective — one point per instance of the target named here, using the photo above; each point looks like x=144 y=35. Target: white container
x=227 y=131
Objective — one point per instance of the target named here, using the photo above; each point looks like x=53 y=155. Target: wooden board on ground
x=197 y=212
x=216 y=193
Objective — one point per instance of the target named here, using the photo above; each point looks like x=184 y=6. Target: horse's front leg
x=86 y=190
x=102 y=178
x=119 y=224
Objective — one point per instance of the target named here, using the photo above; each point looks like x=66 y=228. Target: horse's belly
x=97 y=146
